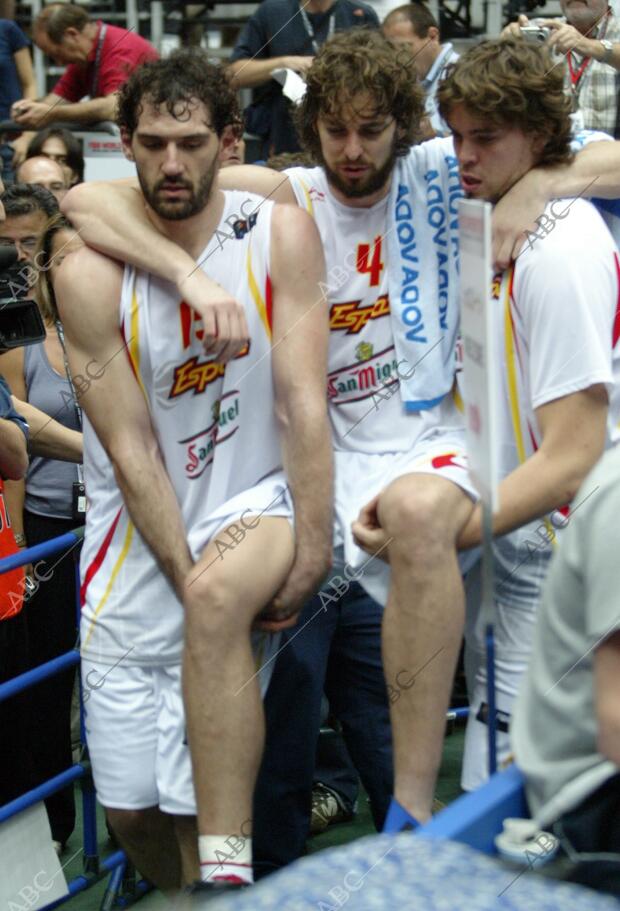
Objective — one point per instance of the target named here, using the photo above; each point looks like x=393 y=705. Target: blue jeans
x=336 y=648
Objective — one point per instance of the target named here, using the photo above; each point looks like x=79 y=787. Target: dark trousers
x=590 y=835
x=336 y=648
x=16 y=767
x=52 y=630
x=334 y=768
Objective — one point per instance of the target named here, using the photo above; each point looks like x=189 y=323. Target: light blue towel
x=423 y=270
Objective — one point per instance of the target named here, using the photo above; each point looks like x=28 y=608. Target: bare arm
x=12 y=365
x=53 y=108
x=48 y=438
x=25 y=72
x=117 y=409
x=594 y=171
x=565 y=38
x=13 y=453
x=300 y=339
x=247 y=73
x=607 y=696
x=93 y=111
x=573 y=437
x=94 y=210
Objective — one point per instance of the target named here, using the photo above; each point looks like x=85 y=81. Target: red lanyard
x=576 y=76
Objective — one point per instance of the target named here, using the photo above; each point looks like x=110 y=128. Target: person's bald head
x=46 y=173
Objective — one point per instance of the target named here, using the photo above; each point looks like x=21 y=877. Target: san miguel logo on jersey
x=201 y=446
x=371 y=373
x=316 y=195
x=353 y=318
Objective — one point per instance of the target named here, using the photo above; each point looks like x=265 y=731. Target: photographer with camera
x=46 y=505
x=589 y=38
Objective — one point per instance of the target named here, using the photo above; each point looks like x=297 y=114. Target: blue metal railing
x=95 y=868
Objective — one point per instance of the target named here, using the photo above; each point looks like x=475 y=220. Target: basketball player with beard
x=209 y=486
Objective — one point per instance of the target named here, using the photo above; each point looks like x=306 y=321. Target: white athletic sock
x=225 y=857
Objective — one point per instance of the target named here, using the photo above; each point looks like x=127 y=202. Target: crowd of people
x=275 y=465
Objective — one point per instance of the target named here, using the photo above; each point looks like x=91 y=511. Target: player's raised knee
x=417 y=507
x=210 y=603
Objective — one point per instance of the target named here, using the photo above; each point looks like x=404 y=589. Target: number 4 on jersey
x=370 y=263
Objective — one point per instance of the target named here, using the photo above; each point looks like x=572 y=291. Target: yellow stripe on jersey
x=115 y=571
x=457 y=398
x=513 y=388
x=308 y=198
x=256 y=295
x=134 y=341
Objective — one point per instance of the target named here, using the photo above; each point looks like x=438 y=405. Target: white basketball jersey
x=215 y=425
x=366 y=408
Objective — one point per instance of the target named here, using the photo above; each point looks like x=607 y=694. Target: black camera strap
x=78 y=411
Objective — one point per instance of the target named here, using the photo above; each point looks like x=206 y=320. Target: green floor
x=90 y=899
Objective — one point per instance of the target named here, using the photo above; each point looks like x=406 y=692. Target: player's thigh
x=246 y=569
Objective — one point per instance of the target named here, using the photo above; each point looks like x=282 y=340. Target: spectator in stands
x=414 y=27
x=16 y=81
x=589 y=37
x=42 y=507
x=233 y=145
x=45 y=173
x=61 y=146
x=27 y=209
x=566 y=729
x=99 y=59
x=285 y=33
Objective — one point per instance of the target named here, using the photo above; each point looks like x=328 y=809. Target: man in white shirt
x=414 y=27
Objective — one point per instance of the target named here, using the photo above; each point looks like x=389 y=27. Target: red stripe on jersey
x=616 y=329
x=444 y=461
x=99 y=558
x=269 y=302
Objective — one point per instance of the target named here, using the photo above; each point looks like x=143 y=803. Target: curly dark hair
x=356 y=63
x=512 y=82
x=185 y=76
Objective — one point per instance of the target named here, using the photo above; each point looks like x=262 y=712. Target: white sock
x=225 y=857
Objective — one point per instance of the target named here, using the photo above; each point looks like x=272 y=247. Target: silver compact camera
x=535 y=33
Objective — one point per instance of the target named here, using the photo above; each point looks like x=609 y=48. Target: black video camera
x=20 y=319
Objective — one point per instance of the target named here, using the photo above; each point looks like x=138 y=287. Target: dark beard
x=181 y=209
x=376 y=181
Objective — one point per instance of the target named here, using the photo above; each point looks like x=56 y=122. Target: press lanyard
x=310 y=30
x=78 y=411
x=576 y=75
x=95 y=79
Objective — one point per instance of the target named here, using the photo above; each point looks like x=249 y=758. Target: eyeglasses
x=27 y=244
